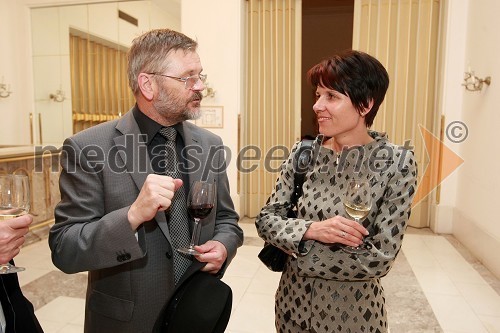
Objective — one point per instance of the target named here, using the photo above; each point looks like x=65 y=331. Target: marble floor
x=434 y=286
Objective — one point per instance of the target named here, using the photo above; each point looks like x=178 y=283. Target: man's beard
x=175 y=109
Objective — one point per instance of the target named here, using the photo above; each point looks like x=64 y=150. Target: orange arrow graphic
x=435 y=172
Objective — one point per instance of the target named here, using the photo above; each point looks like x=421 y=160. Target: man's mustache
x=197 y=97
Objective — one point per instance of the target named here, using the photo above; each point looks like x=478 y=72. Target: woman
x=323 y=288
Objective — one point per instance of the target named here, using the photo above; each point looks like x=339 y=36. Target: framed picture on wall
x=211 y=117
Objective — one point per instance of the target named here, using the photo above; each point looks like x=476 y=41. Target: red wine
x=200 y=211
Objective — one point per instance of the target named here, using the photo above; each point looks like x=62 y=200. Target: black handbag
x=271 y=256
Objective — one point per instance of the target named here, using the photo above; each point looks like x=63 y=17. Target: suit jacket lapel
x=132 y=149
x=134 y=154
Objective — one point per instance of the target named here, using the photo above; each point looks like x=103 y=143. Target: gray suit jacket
x=130 y=275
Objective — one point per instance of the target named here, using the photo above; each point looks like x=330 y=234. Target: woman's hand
x=337 y=229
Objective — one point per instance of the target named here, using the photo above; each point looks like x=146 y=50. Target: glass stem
x=196 y=233
x=357 y=221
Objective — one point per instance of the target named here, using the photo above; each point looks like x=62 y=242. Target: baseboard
x=478 y=241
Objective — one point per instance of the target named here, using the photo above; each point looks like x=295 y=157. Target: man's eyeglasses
x=189 y=81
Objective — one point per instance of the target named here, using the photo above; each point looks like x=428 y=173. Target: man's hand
x=156 y=195
x=214 y=253
x=12 y=232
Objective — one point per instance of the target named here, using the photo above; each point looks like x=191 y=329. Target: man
x=117 y=217
x=16 y=312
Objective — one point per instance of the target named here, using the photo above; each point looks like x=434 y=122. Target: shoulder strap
x=301 y=161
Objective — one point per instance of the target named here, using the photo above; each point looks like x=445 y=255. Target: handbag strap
x=302 y=160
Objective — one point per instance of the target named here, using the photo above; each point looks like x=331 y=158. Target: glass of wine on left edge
x=14 y=202
x=201 y=200
x=357 y=204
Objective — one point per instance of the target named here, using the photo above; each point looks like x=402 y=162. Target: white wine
x=14 y=201
x=355 y=211
x=9 y=212
x=6 y=217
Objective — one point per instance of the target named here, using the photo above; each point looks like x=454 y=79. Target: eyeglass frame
x=201 y=77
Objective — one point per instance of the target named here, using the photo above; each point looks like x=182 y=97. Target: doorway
x=327 y=28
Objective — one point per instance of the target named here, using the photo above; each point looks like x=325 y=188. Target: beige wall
x=469 y=195
x=16 y=71
x=218 y=25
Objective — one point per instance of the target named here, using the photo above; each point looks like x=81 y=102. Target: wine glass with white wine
x=14 y=202
x=357 y=204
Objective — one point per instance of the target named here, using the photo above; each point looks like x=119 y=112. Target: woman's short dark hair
x=355 y=74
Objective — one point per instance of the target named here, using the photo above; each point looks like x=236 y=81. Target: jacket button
x=168 y=254
x=127 y=256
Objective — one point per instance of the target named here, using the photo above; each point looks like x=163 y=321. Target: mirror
x=49 y=118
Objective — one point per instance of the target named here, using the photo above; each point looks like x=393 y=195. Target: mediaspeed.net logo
x=442 y=160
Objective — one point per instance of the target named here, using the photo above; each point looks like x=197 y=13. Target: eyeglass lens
x=192 y=80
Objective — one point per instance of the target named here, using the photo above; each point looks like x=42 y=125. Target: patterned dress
x=324 y=289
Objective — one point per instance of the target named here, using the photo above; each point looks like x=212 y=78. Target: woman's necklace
x=335 y=153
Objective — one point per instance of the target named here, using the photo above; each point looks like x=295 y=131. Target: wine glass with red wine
x=201 y=200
